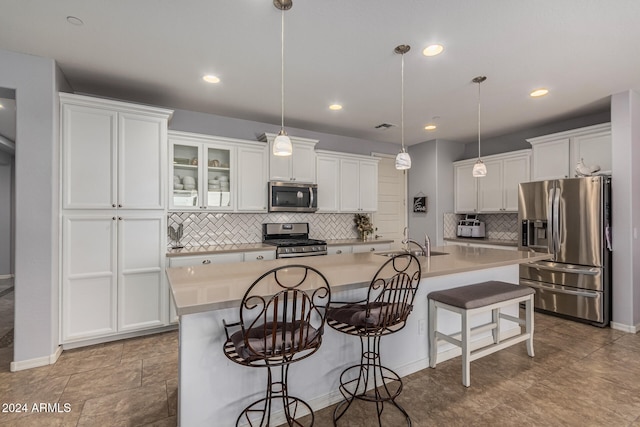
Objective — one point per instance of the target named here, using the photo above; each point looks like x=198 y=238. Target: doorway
x=391 y=216
x=7 y=224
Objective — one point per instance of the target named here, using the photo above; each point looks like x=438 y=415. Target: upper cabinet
x=555 y=156
x=346 y=182
x=216 y=173
x=113 y=154
x=498 y=191
x=299 y=167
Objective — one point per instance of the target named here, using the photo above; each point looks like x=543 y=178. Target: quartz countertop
x=201 y=288
x=482 y=241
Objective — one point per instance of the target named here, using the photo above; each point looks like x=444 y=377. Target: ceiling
x=156 y=51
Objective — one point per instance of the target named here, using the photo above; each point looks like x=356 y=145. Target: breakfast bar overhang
x=212 y=390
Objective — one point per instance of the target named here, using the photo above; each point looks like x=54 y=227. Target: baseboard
x=118 y=337
x=6 y=276
x=37 y=362
x=625 y=328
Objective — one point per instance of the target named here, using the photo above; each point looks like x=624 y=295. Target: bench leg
x=529 y=324
x=495 y=318
x=466 y=350
x=433 y=340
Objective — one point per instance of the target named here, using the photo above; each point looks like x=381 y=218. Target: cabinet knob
x=372 y=249
x=206 y=261
x=259 y=257
x=119 y=206
x=113 y=205
x=119 y=218
x=114 y=218
x=338 y=252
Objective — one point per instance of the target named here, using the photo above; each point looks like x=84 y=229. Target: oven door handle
x=559 y=289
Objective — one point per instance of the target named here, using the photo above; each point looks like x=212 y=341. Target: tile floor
x=581 y=376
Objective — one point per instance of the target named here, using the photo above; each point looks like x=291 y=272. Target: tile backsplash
x=206 y=229
x=497 y=226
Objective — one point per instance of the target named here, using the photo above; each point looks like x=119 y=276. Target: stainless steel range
x=292 y=240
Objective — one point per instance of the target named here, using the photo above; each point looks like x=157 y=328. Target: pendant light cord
x=402 y=106
x=479 y=120
x=282 y=69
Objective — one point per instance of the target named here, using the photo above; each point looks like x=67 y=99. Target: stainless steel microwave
x=290 y=197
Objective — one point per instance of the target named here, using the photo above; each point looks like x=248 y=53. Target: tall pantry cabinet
x=114 y=162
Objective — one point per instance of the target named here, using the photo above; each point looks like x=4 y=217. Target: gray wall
x=517 y=140
x=431 y=174
x=6 y=214
x=209 y=124
x=36 y=203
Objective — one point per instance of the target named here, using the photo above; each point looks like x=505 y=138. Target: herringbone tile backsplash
x=496 y=226
x=206 y=229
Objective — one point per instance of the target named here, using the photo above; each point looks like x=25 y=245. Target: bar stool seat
x=473 y=299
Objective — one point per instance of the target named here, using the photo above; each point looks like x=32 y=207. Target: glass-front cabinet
x=202 y=177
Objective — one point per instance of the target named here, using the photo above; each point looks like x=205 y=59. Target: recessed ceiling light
x=1 y=106
x=74 y=20
x=433 y=50
x=430 y=127
x=335 y=107
x=539 y=92
x=209 y=78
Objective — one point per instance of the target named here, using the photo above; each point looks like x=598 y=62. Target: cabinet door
x=371 y=247
x=328 y=180
x=516 y=170
x=88 y=276
x=303 y=163
x=252 y=179
x=186 y=176
x=280 y=166
x=465 y=196
x=593 y=150
x=187 y=261
x=349 y=185
x=142 y=292
x=339 y=250
x=551 y=160
x=142 y=160
x=88 y=157
x=218 y=184
x=490 y=187
x=259 y=255
x=368 y=180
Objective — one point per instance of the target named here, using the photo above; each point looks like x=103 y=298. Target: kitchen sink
x=416 y=253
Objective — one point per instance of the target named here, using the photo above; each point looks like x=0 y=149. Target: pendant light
x=282 y=144
x=479 y=168
x=403 y=160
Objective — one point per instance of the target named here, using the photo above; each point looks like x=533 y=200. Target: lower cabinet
x=371 y=247
x=339 y=250
x=112 y=274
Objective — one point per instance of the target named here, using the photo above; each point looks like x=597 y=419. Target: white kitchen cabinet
x=358 y=185
x=112 y=273
x=253 y=170
x=371 y=247
x=113 y=154
x=339 y=250
x=299 y=167
x=328 y=180
x=187 y=261
x=259 y=255
x=498 y=191
x=555 y=156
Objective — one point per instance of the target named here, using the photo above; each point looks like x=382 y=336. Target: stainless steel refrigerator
x=570 y=219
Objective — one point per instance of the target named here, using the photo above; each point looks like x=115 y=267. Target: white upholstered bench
x=473 y=299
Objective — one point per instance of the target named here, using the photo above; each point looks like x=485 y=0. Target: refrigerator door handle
x=585 y=271
x=558 y=289
x=550 y=239
x=556 y=221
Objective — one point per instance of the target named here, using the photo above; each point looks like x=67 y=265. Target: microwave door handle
x=311 y=198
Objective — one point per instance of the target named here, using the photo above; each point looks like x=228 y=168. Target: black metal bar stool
x=385 y=311
x=282 y=318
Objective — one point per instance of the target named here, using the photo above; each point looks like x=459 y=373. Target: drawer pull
x=206 y=261
x=259 y=257
x=372 y=249
x=338 y=252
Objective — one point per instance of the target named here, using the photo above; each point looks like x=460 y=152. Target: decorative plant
x=363 y=224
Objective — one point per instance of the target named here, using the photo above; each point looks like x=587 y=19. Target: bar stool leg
x=466 y=350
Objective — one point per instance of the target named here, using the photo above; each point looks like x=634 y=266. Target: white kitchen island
x=213 y=390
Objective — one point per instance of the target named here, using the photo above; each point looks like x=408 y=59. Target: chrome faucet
x=426 y=249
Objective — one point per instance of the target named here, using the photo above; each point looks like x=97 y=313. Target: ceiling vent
x=384 y=126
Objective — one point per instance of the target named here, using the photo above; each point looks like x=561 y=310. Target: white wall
x=36 y=254
x=431 y=174
x=625 y=128
x=6 y=216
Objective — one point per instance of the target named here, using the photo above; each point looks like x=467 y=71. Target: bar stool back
x=282 y=318
x=385 y=311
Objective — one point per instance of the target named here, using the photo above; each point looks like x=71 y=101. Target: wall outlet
x=422 y=326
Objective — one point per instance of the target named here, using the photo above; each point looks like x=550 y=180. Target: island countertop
x=201 y=288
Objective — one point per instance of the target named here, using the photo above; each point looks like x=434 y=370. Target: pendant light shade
x=479 y=168
x=403 y=160
x=282 y=144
